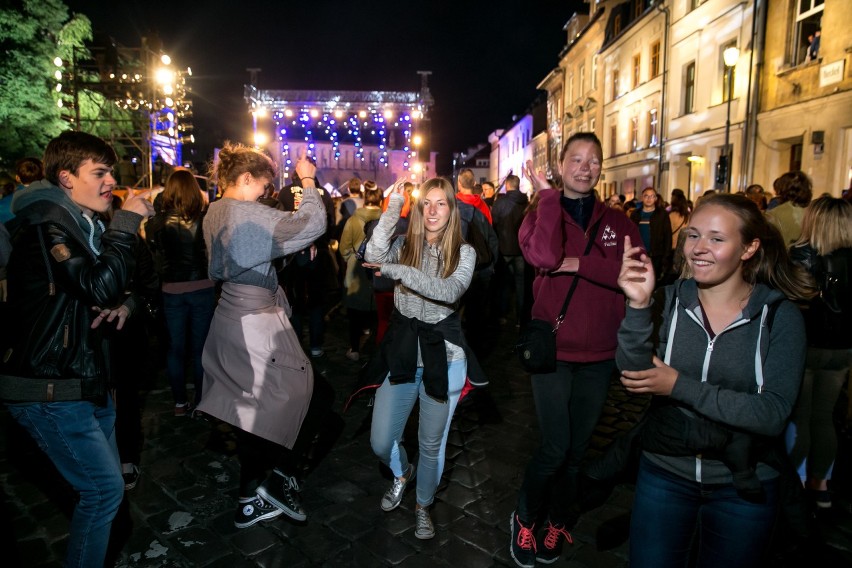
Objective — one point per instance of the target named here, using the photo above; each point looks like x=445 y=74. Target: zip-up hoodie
x=547 y=235
x=747 y=377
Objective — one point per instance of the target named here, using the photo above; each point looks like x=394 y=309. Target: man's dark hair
x=70 y=149
x=29 y=170
x=513 y=182
x=794 y=186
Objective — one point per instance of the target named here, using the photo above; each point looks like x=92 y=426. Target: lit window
x=652 y=127
x=807 y=22
x=637 y=62
x=634 y=133
x=615 y=92
x=726 y=77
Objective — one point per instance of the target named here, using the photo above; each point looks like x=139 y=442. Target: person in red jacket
x=464 y=185
x=553 y=239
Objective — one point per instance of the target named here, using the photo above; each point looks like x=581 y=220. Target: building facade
x=805 y=119
x=631 y=64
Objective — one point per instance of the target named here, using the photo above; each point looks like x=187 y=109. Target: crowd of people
x=731 y=313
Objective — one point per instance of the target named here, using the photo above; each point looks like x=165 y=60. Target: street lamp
x=730 y=55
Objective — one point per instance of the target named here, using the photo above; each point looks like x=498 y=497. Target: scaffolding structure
x=134 y=98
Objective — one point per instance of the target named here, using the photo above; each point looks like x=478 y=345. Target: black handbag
x=536 y=347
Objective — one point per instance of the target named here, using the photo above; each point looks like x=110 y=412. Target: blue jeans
x=79 y=438
x=669 y=509
x=568 y=404
x=196 y=309
x=390 y=413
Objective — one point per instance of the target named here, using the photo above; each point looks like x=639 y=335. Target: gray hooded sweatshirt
x=747 y=377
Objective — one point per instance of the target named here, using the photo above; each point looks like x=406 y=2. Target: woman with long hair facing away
x=423 y=353
x=825 y=250
x=176 y=241
x=720 y=350
x=256 y=376
x=573 y=240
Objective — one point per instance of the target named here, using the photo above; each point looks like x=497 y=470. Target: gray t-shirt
x=244 y=237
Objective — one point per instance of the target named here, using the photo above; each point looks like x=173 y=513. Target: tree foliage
x=32 y=34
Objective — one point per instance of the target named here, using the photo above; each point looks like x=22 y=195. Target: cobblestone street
x=181 y=512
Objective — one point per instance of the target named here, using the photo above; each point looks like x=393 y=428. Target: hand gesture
x=658 y=380
x=636 y=278
x=122 y=312
x=138 y=203
x=377 y=266
x=305 y=168
x=536 y=178
x=398 y=186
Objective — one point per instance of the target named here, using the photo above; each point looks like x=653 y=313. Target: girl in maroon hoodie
x=553 y=238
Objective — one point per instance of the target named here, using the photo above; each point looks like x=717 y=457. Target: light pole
x=730 y=55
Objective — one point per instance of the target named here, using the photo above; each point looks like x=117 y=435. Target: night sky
x=486 y=57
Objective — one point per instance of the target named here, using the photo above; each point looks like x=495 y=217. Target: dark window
x=689 y=88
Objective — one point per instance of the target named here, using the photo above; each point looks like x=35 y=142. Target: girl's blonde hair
x=451 y=238
x=827 y=225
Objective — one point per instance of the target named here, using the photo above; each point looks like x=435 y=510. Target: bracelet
x=313 y=178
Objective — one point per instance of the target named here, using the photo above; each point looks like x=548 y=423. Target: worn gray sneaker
x=393 y=496
x=423 y=527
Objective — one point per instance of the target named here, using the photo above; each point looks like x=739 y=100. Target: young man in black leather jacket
x=66 y=279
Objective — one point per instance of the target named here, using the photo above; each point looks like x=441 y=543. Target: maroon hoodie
x=549 y=234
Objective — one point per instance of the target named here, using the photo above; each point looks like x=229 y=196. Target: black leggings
x=257 y=456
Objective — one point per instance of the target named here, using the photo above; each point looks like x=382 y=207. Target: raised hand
x=137 y=202
x=636 y=278
x=536 y=178
x=305 y=168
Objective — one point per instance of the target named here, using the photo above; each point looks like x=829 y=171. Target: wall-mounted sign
x=831 y=73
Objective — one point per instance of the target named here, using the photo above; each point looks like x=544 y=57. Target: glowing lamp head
x=731 y=55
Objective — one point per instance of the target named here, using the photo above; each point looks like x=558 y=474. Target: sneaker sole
x=266 y=517
x=295 y=515
x=398 y=503
x=427 y=536
x=511 y=549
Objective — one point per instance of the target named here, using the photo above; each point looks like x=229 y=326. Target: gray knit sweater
x=244 y=237
x=429 y=297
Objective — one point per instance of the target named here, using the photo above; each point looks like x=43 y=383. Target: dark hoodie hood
x=33 y=205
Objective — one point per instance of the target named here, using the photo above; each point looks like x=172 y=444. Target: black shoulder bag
x=536 y=347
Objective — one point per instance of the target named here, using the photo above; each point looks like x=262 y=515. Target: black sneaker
x=523 y=548
x=130 y=473
x=252 y=510
x=283 y=491
x=551 y=549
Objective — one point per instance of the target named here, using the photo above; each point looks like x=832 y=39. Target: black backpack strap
x=561 y=317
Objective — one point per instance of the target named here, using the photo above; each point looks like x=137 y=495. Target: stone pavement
x=181 y=512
